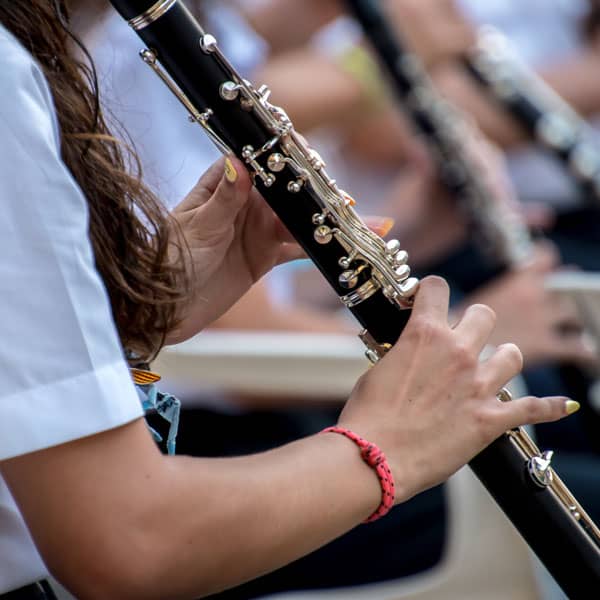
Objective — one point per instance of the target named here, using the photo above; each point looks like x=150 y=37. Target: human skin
x=114 y=518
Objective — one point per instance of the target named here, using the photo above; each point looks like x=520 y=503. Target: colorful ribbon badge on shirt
x=167 y=406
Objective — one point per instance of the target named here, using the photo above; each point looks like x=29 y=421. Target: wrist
x=374 y=458
x=360 y=482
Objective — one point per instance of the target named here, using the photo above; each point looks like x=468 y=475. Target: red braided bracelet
x=375 y=458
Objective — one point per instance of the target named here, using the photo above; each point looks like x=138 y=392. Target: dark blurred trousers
x=36 y=591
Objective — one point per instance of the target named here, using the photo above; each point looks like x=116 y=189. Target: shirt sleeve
x=62 y=371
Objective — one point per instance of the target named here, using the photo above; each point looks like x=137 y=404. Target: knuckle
x=463 y=357
x=425 y=329
x=485 y=424
x=534 y=409
x=480 y=387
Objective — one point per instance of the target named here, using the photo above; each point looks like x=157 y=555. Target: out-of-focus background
x=279 y=365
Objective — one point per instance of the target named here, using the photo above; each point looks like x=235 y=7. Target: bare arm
x=313 y=88
x=113 y=518
x=435 y=27
x=316 y=92
x=271 y=19
x=132 y=523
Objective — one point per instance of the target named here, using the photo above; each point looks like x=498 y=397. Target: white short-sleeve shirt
x=62 y=372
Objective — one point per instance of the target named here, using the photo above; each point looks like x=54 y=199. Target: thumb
x=226 y=168
x=216 y=208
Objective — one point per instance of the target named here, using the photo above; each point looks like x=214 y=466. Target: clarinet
x=501 y=466
x=548 y=119
x=371 y=276
x=497 y=227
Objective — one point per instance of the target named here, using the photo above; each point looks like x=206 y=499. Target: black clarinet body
x=538 y=512
x=548 y=119
x=207 y=80
x=370 y=276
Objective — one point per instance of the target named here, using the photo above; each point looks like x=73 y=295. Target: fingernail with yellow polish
x=572 y=406
x=230 y=172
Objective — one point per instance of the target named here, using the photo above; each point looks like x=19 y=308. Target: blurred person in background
x=320 y=92
x=553 y=39
x=172 y=151
x=366 y=149
x=91 y=287
x=559 y=41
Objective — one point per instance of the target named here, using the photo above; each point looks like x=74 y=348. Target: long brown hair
x=129 y=230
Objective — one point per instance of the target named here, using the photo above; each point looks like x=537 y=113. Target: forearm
x=113 y=518
x=314 y=90
x=491 y=118
x=287 y=502
x=271 y=19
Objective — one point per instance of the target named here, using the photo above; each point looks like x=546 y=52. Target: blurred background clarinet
x=543 y=113
x=504 y=239
x=496 y=225
x=370 y=277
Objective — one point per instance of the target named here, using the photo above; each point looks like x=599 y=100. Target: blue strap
x=167 y=406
